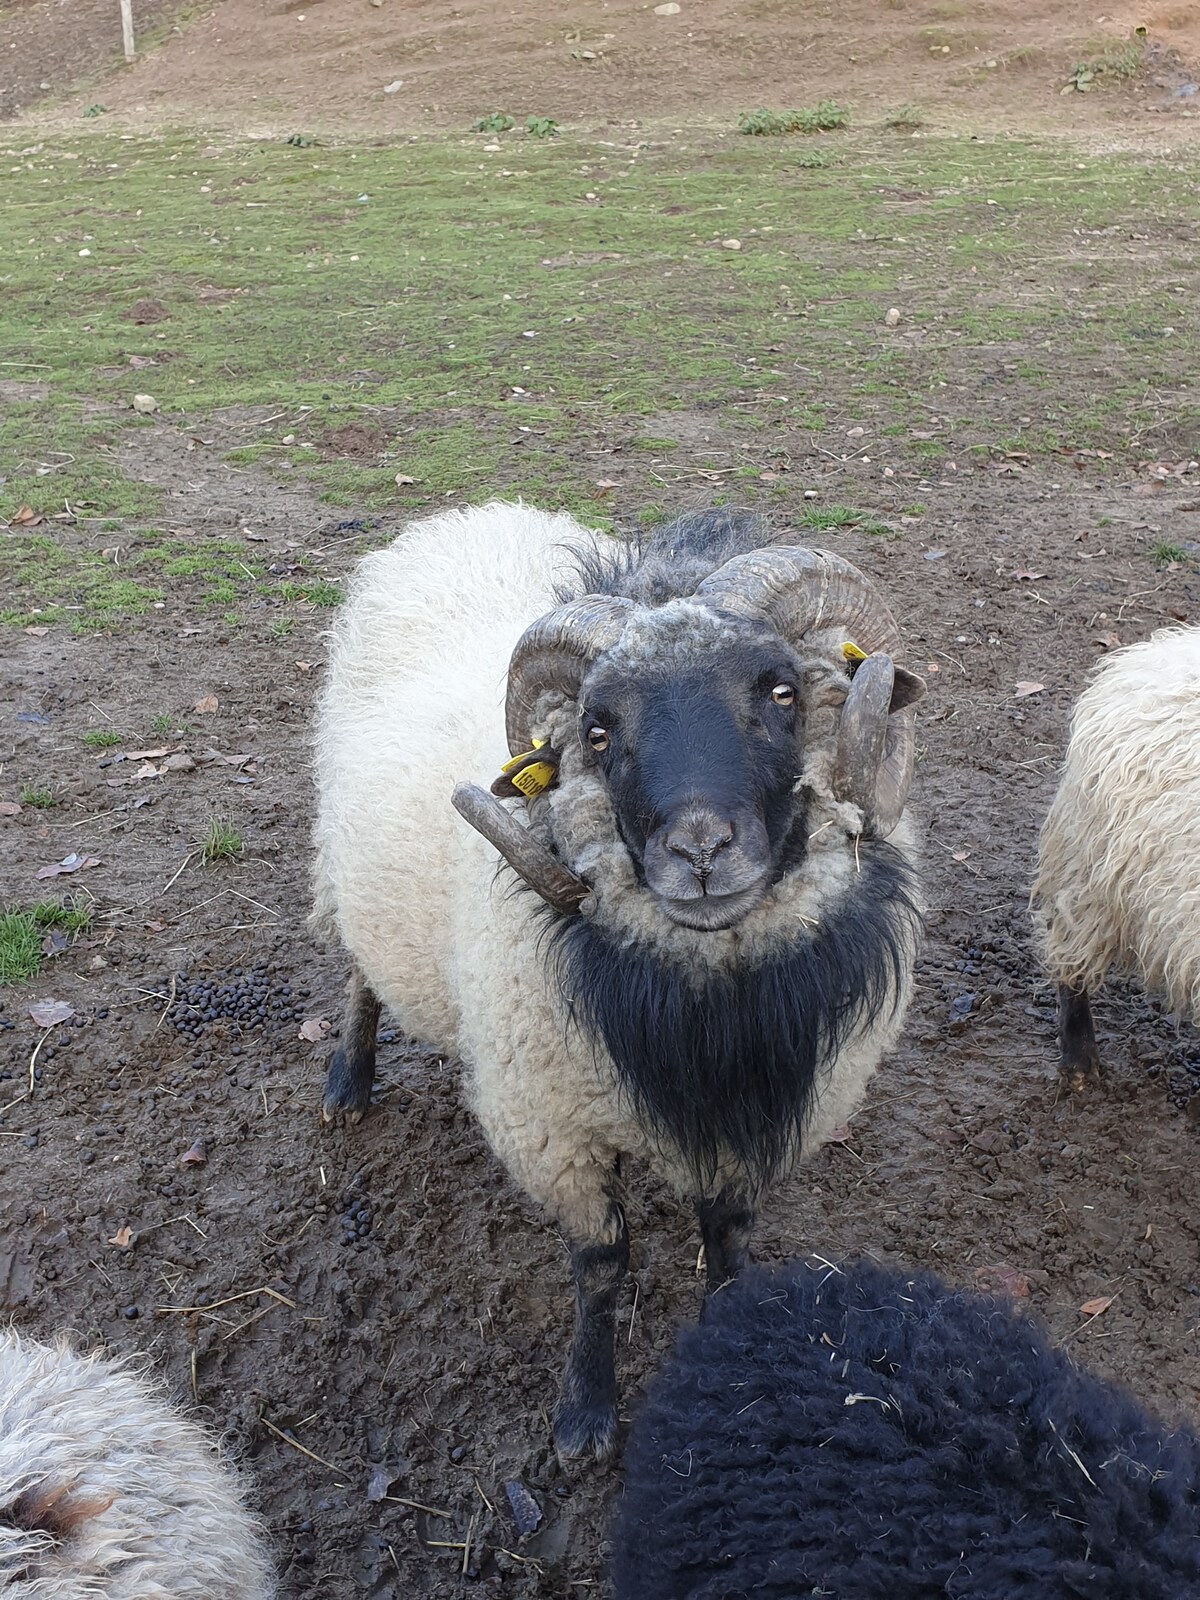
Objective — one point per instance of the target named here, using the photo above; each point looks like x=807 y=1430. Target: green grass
x=22 y=931
x=317 y=286
x=221 y=842
x=904 y=119
x=494 y=122
x=823 y=518
x=1164 y=553
x=102 y=739
x=38 y=797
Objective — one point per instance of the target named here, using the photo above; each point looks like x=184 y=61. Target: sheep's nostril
x=700 y=843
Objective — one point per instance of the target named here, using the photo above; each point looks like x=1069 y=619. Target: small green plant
x=222 y=842
x=1165 y=553
x=495 y=122
x=821 y=118
x=282 y=626
x=904 y=119
x=38 y=797
x=842 y=517
x=541 y=127
x=1114 y=63
x=95 y=111
x=21 y=934
x=322 y=594
x=812 y=159
x=101 y=739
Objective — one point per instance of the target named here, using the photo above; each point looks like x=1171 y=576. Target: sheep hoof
x=585 y=1431
x=347 y=1091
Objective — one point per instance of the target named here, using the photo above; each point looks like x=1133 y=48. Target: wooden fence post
x=127 y=28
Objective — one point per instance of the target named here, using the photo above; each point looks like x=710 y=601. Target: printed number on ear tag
x=526 y=773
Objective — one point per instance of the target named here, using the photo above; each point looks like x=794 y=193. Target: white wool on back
x=1118 y=883
x=158 y=1516
x=413 y=704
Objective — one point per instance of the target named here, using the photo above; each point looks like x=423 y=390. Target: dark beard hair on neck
x=725 y=1064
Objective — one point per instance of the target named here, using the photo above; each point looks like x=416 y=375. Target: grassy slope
x=487 y=311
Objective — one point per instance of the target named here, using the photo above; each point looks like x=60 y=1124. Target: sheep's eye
x=598 y=739
x=784 y=694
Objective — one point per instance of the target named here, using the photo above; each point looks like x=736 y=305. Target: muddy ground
x=381 y=1296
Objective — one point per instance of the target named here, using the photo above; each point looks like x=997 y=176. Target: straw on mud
x=296 y=1445
x=417 y=1505
x=230 y=1298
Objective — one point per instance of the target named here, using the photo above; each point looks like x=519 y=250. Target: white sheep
x=710 y=751
x=107 y=1493
x=1118 y=880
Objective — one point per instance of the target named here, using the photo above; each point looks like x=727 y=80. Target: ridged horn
x=554 y=653
x=798 y=591
x=527 y=856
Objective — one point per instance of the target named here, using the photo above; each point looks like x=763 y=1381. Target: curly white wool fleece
x=1118 y=883
x=158 y=1516
x=414 y=703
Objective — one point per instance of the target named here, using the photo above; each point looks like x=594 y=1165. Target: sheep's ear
x=527 y=775
x=907 y=689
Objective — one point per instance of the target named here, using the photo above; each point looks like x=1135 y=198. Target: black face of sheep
x=701 y=764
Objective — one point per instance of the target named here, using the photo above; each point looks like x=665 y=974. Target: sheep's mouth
x=709 y=913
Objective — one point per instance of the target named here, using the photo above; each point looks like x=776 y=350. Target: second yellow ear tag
x=852 y=652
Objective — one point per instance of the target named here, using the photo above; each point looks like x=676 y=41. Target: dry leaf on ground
x=1093 y=1308
x=49 y=1013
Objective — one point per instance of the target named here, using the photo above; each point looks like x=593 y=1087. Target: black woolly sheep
x=106 y=1493
x=861 y=1434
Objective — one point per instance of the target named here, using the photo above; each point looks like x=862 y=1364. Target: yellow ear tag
x=852 y=652
x=530 y=777
x=533 y=779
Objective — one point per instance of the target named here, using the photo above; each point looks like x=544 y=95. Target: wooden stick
x=127 y=28
x=296 y=1445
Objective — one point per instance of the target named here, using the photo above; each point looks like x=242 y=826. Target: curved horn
x=875 y=749
x=798 y=591
x=555 y=652
x=528 y=857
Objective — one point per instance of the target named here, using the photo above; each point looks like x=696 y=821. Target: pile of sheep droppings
x=869 y=1436
x=106 y=1493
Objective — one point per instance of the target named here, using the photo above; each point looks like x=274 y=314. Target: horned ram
x=703 y=761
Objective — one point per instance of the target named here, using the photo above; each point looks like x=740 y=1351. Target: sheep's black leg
x=352 y=1065
x=1080 y=1060
x=726 y=1223
x=585 y=1421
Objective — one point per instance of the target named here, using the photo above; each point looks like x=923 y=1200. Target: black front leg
x=1080 y=1059
x=585 y=1421
x=352 y=1065
x=726 y=1224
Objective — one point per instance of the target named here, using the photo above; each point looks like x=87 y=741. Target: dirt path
x=347 y=68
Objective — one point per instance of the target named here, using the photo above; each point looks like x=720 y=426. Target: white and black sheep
x=107 y=1493
x=710 y=749
x=870 y=1435
x=1118 y=881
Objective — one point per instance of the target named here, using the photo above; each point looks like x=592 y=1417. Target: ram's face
x=700 y=754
